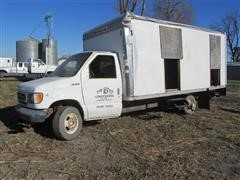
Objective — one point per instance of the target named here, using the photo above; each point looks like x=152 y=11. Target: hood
x=51 y=66
x=44 y=83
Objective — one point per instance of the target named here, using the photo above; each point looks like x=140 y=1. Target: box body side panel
x=195 y=65
x=223 y=77
x=147 y=63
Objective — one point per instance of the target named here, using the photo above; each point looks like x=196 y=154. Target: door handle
x=118 y=91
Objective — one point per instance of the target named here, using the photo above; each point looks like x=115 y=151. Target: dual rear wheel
x=190 y=105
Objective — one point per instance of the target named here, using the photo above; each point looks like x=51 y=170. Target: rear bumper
x=31 y=115
x=218 y=91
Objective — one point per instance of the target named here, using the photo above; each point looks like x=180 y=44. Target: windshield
x=71 y=66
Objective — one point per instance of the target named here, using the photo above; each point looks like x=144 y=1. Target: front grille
x=22 y=98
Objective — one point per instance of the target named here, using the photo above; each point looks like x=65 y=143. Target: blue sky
x=71 y=18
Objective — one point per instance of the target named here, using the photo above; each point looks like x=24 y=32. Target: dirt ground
x=146 y=145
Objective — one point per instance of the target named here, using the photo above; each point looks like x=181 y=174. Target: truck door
x=102 y=87
x=38 y=66
x=25 y=69
x=21 y=68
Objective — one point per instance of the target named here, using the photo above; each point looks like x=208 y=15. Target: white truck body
x=17 y=67
x=6 y=62
x=33 y=66
x=38 y=66
x=144 y=44
x=130 y=63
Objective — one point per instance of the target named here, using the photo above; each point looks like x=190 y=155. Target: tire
x=67 y=123
x=191 y=105
x=2 y=73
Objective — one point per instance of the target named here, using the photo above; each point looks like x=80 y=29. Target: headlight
x=35 y=98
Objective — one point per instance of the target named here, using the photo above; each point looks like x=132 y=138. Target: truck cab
x=87 y=86
x=21 y=67
x=38 y=66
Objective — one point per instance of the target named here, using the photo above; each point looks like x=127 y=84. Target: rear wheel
x=191 y=105
x=67 y=123
x=2 y=73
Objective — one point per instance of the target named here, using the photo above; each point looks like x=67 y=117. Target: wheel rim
x=71 y=123
x=191 y=104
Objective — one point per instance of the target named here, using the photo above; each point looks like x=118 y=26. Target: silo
x=49 y=51
x=25 y=49
x=40 y=50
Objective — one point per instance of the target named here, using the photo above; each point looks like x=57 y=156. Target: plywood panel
x=171 y=43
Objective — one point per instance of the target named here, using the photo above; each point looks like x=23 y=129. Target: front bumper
x=31 y=115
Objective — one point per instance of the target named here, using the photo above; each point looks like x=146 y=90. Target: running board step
x=139 y=108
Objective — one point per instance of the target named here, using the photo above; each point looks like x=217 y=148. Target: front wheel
x=67 y=123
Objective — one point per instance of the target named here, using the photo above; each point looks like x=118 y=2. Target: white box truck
x=129 y=63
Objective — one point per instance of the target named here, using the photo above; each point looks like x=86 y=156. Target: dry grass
x=148 y=145
x=8 y=89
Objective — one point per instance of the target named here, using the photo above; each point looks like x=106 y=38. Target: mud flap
x=204 y=100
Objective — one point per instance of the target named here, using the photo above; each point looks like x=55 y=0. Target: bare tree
x=132 y=6
x=174 y=10
x=230 y=24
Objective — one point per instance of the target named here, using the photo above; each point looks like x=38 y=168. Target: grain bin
x=26 y=48
x=49 y=51
x=40 y=50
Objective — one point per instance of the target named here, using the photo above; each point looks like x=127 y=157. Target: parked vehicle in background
x=38 y=66
x=18 y=67
x=6 y=62
x=130 y=63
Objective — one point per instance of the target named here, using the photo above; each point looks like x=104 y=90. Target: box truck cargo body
x=160 y=58
x=6 y=62
x=130 y=63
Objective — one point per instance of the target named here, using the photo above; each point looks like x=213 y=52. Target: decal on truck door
x=104 y=94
